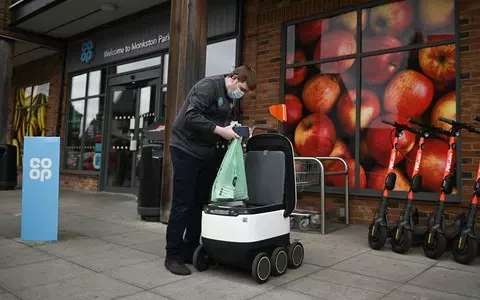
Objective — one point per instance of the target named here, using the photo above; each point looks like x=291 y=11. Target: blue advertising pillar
x=40 y=189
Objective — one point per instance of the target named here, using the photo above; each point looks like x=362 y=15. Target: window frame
x=359 y=55
x=101 y=96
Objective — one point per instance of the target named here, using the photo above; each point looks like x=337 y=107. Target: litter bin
x=150 y=186
x=8 y=167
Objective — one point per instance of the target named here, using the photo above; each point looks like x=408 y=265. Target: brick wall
x=262 y=50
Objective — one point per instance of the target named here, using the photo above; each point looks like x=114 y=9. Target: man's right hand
x=226 y=132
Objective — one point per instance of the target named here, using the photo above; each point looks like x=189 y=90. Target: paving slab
x=154 y=247
x=355 y=280
x=329 y=290
x=92 y=286
x=283 y=294
x=408 y=292
x=414 y=255
x=77 y=247
x=291 y=275
x=12 y=256
x=144 y=296
x=209 y=286
x=326 y=257
x=146 y=275
x=25 y=276
x=111 y=259
x=96 y=228
x=450 y=263
x=8 y=296
x=134 y=237
x=382 y=267
x=10 y=226
x=450 y=281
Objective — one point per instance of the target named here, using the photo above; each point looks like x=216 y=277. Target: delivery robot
x=255 y=234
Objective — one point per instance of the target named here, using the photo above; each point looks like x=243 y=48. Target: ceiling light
x=108 y=7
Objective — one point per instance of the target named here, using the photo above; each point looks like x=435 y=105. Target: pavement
x=105 y=251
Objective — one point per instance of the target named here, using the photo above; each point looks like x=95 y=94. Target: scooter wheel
x=466 y=255
x=378 y=239
x=403 y=243
x=295 y=255
x=437 y=247
x=304 y=224
x=279 y=260
x=261 y=268
x=201 y=259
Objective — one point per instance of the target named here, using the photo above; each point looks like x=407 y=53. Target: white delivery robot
x=255 y=234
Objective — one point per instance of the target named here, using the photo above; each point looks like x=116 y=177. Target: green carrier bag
x=231 y=182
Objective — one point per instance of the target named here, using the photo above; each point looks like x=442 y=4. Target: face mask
x=236 y=94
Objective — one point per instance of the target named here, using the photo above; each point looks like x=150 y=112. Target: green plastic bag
x=231 y=182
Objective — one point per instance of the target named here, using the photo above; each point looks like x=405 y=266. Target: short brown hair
x=245 y=73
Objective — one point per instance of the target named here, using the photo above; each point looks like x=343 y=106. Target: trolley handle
x=461 y=125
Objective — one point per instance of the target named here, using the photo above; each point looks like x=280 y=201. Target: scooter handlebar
x=430 y=128
x=461 y=125
x=389 y=122
x=400 y=126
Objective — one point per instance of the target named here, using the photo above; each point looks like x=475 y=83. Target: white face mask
x=236 y=94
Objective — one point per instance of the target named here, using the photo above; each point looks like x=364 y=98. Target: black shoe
x=177 y=267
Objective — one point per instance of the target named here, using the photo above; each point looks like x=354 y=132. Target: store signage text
x=135 y=46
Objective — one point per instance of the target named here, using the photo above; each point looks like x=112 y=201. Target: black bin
x=150 y=186
x=8 y=167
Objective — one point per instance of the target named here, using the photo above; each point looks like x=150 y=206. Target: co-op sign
x=88 y=48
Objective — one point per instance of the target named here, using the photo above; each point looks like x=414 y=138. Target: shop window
x=138 y=65
x=30 y=115
x=400 y=63
x=221 y=57
x=85 y=119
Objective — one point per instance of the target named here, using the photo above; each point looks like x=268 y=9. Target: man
x=202 y=123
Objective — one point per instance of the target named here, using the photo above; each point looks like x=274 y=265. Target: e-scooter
x=435 y=240
x=379 y=229
x=401 y=241
x=465 y=244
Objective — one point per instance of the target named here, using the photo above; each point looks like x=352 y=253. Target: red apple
x=309 y=32
x=347 y=111
x=364 y=151
x=295 y=76
x=439 y=63
x=348 y=21
x=434 y=158
x=320 y=93
x=339 y=180
x=408 y=94
x=315 y=135
x=392 y=18
x=436 y=13
x=294 y=109
x=339 y=150
x=446 y=107
x=346 y=81
x=379 y=69
x=376 y=179
x=380 y=140
x=335 y=44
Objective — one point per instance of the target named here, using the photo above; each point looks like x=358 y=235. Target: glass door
x=132 y=108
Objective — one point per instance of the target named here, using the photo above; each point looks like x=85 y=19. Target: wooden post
x=187 y=55
x=6 y=56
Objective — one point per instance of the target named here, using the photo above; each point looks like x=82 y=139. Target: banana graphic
x=41 y=116
x=34 y=129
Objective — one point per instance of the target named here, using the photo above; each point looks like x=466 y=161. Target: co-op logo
x=87 y=52
x=40 y=169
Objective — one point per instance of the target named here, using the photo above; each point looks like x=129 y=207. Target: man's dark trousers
x=192 y=184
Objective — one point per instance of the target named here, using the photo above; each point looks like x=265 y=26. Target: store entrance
x=133 y=103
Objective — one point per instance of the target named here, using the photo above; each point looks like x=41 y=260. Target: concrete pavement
x=106 y=252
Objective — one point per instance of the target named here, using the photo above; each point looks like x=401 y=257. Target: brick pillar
x=6 y=54
x=187 y=55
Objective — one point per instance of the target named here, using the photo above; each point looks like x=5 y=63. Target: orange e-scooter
x=465 y=244
x=379 y=229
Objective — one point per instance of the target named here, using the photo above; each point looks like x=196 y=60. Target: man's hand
x=226 y=132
